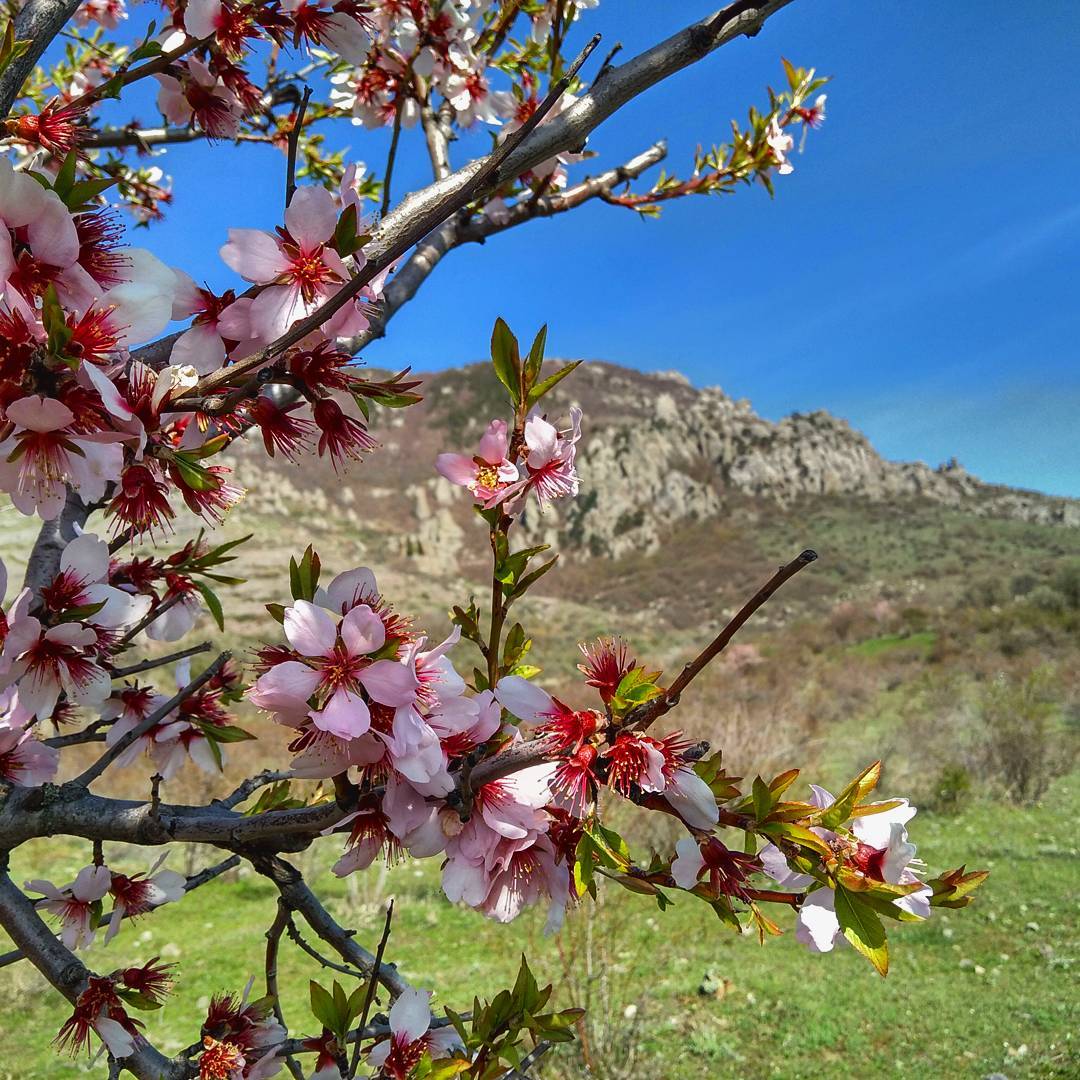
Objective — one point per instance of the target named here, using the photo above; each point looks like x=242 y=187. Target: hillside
x=686 y=496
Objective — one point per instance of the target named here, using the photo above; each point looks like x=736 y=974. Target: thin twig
x=147 y=619
x=314 y=953
x=392 y=154
x=372 y=985
x=294 y=144
x=160 y=661
x=91 y=733
x=644 y=715
x=273 y=940
x=87 y=777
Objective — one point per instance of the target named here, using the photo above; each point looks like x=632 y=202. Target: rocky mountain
x=659 y=460
x=656 y=452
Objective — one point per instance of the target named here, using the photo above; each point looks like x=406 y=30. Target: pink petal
x=362 y=631
x=39 y=414
x=346 y=716
x=493 y=443
x=284 y=687
x=311 y=217
x=254 y=255
x=310 y=630
x=410 y=1015
x=457 y=468
x=390 y=683
x=523 y=699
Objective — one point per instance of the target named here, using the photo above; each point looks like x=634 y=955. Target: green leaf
x=324 y=1008
x=535 y=359
x=538 y=391
x=226 y=733
x=84 y=191
x=612 y=847
x=304 y=575
x=763 y=801
x=525 y=583
x=506 y=359
x=65 y=178
x=863 y=928
x=842 y=807
x=212 y=603
x=797 y=834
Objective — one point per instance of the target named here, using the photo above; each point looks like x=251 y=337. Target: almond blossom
x=411 y=1036
x=140 y=893
x=46 y=452
x=24 y=759
x=77 y=905
x=298 y=267
x=488 y=472
x=337 y=664
x=880 y=852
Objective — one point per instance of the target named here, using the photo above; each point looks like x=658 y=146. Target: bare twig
x=324 y=961
x=89 y=775
x=391 y=156
x=160 y=661
x=644 y=715
x=290 y=883
x=294 y=144
x=372 y=983
x=273 y=940
x=148 y=618
x=94 y=732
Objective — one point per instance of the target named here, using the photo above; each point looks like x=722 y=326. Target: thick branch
x=38 y=22
x=430 y=252
x=53 y=537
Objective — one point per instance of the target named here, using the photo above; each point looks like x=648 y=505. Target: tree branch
x=160 y=661
x=644 y=715
x=53 y=537
x=290 y=883
x=88 y=776
x=273 y=940
x=38 y=22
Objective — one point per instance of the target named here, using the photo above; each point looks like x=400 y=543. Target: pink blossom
x=411 y=1035
x=24 y=759
x=201 y=97
x=74 y=903
x=486 y=474
x=140 y=893
x=337 y=666
x=44 y=454
x=299 y=267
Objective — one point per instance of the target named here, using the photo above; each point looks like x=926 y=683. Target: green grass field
x=989 y=989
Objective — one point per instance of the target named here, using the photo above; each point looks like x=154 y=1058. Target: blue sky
x=917 y=274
